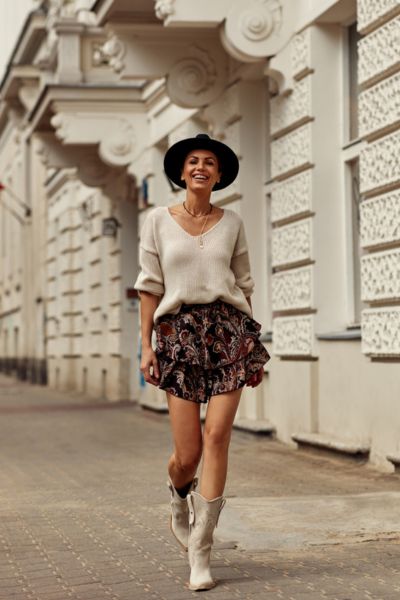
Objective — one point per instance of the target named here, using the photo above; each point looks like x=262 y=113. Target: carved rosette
x=293 y=336
x=255 y=29
x=380 y=220
x=93 y=172
x=117 y=147
x=196 y=80
x=380 y=330
x=164 y=9
x=113 y=51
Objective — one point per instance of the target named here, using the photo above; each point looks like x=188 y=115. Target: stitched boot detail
x=179 y=519
x=203 y=518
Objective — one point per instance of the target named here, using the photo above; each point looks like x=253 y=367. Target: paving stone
x=84 y=512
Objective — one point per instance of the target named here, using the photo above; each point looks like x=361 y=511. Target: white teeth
x=200 y=177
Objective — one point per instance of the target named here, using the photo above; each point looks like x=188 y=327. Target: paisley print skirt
x=207 y=349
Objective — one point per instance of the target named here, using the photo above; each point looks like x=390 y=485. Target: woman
x=195 y=287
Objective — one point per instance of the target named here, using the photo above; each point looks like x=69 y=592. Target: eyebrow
x=195 y=156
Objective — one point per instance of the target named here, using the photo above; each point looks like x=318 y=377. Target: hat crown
x=203 y=136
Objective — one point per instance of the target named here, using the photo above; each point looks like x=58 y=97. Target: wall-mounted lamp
x=110 y=227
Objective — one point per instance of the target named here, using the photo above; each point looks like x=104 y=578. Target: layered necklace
x=206 y=215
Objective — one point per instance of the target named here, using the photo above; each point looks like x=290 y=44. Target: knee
x=187 y=462
x=216 y=437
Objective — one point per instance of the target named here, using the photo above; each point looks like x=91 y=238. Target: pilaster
x=379 y=122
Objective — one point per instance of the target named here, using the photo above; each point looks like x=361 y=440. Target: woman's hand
x=149 y=366
x=256 y=378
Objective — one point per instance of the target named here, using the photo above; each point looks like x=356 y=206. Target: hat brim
x=175 y=157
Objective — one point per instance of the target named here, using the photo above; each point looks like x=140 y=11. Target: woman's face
x=201 y=170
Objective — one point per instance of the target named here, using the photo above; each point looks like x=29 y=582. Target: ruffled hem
x=192 y=382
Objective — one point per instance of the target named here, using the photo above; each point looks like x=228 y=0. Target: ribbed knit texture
x=174 y=266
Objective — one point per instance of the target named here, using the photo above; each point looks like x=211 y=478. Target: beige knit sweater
x=174 y=266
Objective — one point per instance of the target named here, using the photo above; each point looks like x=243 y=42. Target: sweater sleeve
x=150 y=278
x=240 y=264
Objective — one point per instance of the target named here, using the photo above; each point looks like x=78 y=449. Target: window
x=350 y=160
x=352 y=41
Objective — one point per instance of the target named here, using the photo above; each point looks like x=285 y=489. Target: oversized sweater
x=174 y=266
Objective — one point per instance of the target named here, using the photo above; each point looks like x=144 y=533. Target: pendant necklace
x=201 y=239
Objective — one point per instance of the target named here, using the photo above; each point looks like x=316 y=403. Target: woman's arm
x=249 y=303
x=149 y=363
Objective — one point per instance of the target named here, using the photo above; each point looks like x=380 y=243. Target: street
x=84 y=511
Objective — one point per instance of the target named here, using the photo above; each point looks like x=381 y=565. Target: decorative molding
x=116 y=134
x=196 y=80
x=292 y=197
x=279 y=70
x=93 y=172
x=301 y=53
x=293 y=336
x=380 y=276
x=232 y=138
x=225 y=111
x=290 y=109
x=84 y=14
x=185 y=130
x=291 y=151
x=118 y=146
x=379 y=106
x=378 y=52
x=291 y=243
x=371 y=13
x=379 y=163
x=112 y=52
x=164 y=9
x=255 y=29
x=380 y=329
x=380 y=220
x=61 y=8
x=292 y=289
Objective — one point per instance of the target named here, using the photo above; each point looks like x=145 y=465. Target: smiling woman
x=195 y=288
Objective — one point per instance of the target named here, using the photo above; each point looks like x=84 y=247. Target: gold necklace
x=201 y=239
x=196 y=216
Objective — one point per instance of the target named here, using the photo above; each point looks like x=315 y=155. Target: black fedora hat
x=175 y=157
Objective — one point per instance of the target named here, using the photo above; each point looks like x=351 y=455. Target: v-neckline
x=198 y=235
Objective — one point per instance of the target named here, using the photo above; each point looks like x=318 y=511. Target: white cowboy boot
x=179 y=519
x=203 y=518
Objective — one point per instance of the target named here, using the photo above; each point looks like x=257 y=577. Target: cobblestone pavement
x=83 y=506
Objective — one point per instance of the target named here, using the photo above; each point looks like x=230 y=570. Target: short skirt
x=207 y=349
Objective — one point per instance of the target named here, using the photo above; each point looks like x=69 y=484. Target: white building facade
x=307 y=92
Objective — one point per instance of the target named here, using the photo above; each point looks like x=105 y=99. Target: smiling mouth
x=200 y=178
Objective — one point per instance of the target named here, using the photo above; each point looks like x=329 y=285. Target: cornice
x=81 y=93
x=32 y=34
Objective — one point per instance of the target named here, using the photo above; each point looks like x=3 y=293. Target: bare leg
x=186 y=431
x=217 y=435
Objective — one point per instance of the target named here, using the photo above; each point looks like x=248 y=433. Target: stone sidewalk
x=83 y=512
